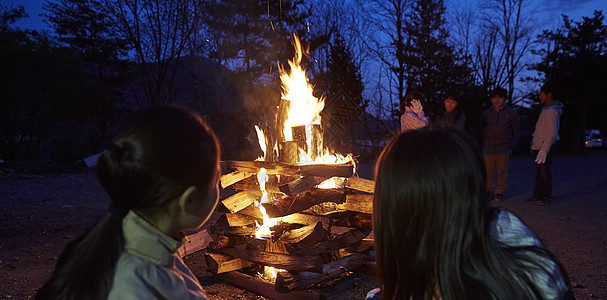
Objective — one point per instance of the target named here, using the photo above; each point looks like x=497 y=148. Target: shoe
x=532 y=199
x=543 y=202
x=498 y=197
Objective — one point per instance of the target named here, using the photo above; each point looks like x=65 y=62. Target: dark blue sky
x=548 y=11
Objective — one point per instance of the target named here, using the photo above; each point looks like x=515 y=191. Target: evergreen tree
x=341 y=84
x=431 y=64
x=575 y=58
x=250 y=36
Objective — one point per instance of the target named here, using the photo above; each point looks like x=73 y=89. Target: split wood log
x=221 y=263
x=241 y=200
x=252 y=184
x=292 y=204
x=361 y=184
x=364 y=246
x=316 y=141
x=299 y=136
x=289 y=281
x=289 y=153
x=349 y=238
x=321 y=170
x=252 y=211
x=196 y=242
x=245 y=231
x=238 y=219
x=269 y=139
x=281 y=116
x=306 y=219
x=305 y=235
x=358 y=202
x=277 y=260
x=223 y=241
x=301 y=184
x=266 y=289
x=348 y=218
x=234 y=177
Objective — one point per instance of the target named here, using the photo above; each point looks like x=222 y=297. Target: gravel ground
x=42 y=210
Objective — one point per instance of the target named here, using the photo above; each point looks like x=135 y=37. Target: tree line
x=64 y=90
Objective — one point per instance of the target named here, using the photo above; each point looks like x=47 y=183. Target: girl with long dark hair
x=436 y=236
x=161 y=173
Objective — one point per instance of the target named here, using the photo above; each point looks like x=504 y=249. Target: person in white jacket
x=545 y=138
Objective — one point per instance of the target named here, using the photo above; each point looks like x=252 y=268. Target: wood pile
x=322 y=233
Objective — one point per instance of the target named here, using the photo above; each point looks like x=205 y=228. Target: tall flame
x=305 y=108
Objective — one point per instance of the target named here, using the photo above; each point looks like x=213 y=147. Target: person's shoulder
x=508 y=229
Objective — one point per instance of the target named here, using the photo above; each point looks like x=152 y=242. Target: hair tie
x=116 y=211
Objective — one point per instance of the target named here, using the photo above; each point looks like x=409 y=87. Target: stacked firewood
x=322 y=233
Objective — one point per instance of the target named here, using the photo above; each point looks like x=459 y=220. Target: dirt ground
x=42 y=210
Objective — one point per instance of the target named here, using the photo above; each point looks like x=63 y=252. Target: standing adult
x=451 y=114
x=544 y=141
x=499 y=124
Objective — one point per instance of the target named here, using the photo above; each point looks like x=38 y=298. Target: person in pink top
x=413 y=116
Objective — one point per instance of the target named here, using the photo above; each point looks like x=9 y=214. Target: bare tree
x=508 y=32
x=384 y=37
x=159 y=33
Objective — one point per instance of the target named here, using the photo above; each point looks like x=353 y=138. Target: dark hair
x=550 y=88
x=498 y=91
x=430 y=221
x=412 y=95
x=161 y=152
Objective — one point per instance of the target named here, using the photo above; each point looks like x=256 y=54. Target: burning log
x=266 y=289
x=240 y=200
x=358 y=202
x=220 y=263
x=301 y=184
x=349 y=238
x=321 y=170
x=299 y=136
x=316 y=141
x=281 y=117
x=361 y=184
x=289 y=153
x=289 y=281
x=277 y=260
x=292 y=204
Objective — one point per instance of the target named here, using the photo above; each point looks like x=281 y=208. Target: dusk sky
x=548 y=10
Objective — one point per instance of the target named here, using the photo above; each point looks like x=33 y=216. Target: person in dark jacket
x=499 y=123
x=451 y=114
